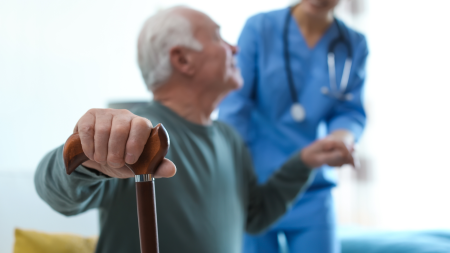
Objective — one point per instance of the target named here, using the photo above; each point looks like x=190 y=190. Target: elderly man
x=215 y=196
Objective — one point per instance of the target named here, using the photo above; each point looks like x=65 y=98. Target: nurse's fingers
x=166 y=169
x=357 y=163
x=327 y=151
x=347 y=151
x=337 y=158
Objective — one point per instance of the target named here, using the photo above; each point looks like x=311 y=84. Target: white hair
x=160 y=33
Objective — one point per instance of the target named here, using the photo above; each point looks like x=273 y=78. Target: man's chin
x=234 y=81
x=233 y=84
x=237 y=81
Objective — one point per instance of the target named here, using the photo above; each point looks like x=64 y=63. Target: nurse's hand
x=327 y=151
x=349 y=139
x=110 y=138
x=343 y=135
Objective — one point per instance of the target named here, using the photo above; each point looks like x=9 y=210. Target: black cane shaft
x=146 y=206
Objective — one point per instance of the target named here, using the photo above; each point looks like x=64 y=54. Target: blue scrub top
x=260 y=111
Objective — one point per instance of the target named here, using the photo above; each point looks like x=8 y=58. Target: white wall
x=409 y=91
x=407 y=136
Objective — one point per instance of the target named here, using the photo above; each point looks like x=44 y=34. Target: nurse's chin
x=315 y=8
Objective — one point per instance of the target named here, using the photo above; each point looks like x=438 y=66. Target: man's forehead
x=200 y=21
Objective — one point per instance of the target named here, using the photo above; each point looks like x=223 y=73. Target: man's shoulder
x=229 y=132
x=147 y=110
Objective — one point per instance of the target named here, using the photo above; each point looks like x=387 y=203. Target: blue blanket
x=437 y=241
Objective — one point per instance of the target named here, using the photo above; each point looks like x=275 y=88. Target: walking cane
x=154 y=151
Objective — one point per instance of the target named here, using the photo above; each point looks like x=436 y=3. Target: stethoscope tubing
x=287 y=58
x=334 y=91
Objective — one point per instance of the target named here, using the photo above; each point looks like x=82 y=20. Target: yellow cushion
x=28 y=241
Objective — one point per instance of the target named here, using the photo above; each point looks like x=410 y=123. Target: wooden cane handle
x=154 y=152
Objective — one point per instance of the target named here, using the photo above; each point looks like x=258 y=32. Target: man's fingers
x=101 y=136
x=335 y=153
x=85 y=129
x=340 y=145
x=117 y=140
x=166 y=169
x=337 y=158
x=110 y=138
x=346 y=152
x=139 y=133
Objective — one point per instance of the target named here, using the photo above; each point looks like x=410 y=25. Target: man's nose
x=234 y=49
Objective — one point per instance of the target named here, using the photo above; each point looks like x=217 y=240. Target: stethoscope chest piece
x=298 y=112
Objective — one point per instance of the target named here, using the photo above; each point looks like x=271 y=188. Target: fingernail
x=130 y=158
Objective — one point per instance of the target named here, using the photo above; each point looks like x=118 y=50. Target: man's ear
x=182 y=60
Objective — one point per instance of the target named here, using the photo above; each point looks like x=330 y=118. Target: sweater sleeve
x=71 y=194
x=268 y=202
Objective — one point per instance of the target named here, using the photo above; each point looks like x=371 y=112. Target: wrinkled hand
x=327 y=151
x=110 y=138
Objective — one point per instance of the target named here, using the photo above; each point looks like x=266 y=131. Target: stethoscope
x=297 y=110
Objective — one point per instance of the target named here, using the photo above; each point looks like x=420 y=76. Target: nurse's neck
x=312 y=26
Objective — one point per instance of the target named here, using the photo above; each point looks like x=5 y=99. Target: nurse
x=302 y=69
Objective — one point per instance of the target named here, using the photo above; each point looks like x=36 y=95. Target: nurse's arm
x=348 y=118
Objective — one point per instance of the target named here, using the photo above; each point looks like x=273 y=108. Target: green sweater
x=204 y=208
